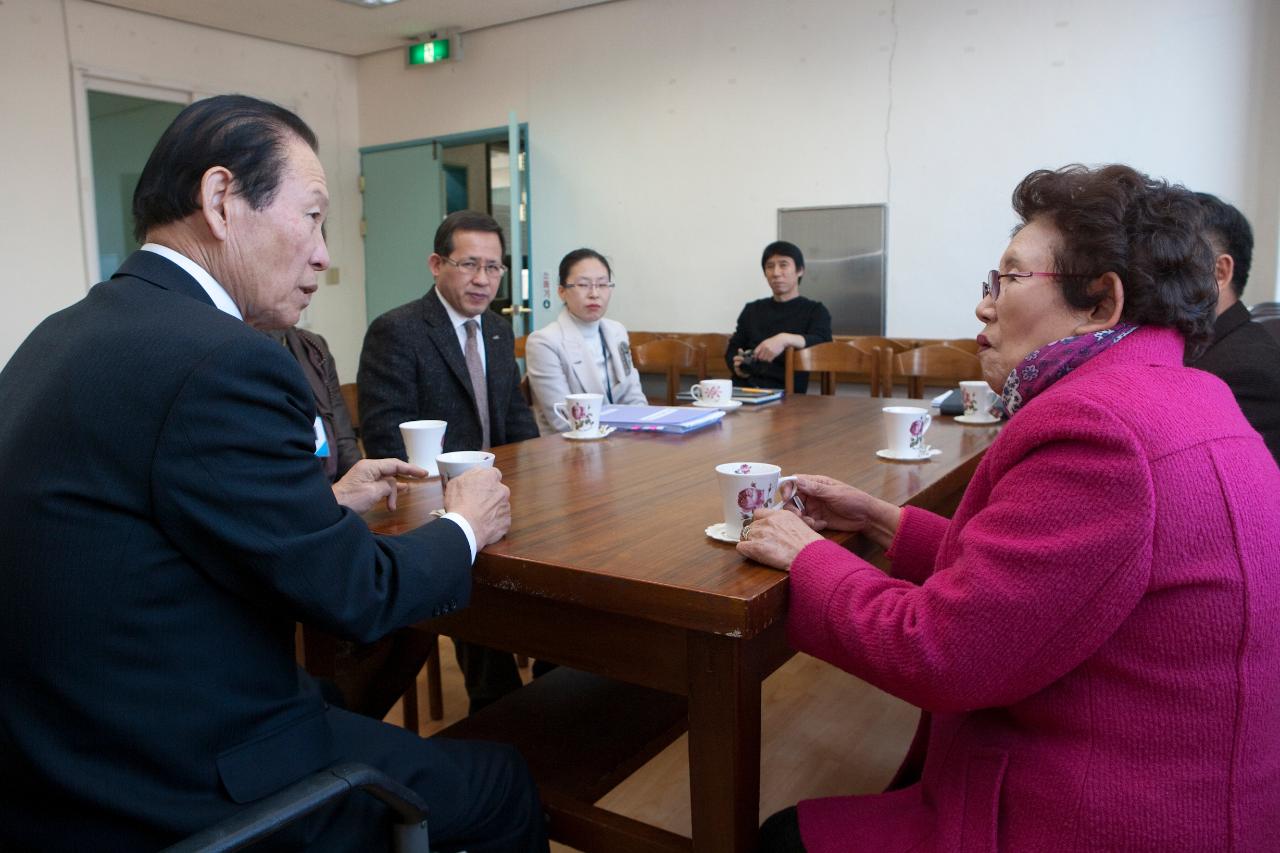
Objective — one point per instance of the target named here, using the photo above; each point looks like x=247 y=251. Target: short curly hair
x=1148 y=232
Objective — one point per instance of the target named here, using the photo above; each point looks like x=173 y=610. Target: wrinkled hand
x=832 y=505
x=776 y=537
x=479 y=496
x=371 y=480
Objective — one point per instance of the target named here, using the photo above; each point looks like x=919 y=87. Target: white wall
x=667 y=133
x=43 y=267
x=41 y=236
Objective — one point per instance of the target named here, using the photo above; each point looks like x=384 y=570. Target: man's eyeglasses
x=471 y=266
x=589 y=286
x=991 y=287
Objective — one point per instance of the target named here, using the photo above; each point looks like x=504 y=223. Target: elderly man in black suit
x=447 y=357
x=1243 y=354
x=164 y=523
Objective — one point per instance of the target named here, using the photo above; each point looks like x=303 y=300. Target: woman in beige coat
x=581 y=352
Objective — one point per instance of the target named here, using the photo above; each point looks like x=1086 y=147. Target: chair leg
x=410 y=706
x=435 y=693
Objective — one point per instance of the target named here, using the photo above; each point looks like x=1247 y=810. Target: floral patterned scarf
x=1054 y=360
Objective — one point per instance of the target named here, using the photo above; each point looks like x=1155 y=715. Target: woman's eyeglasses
x=589 y=286
x=991 y=287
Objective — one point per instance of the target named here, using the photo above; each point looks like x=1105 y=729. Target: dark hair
x=568 y=261
x=1146 y=231
x=245 y=135
x=1230 y=234
x=782 y=247
x=466 y=220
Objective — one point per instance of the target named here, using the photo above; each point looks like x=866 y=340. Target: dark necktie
x=476 y=370
x=607 y=381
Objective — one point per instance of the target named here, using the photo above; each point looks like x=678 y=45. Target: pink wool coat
x=1096 y=633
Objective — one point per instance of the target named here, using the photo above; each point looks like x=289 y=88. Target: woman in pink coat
x=1095 y=635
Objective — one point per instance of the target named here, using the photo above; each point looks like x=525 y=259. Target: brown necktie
x=476 y=369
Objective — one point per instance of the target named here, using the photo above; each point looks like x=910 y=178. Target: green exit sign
x=429 y=52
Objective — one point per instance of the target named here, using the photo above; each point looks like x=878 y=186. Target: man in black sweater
x=767 y=327
x=1243 y=354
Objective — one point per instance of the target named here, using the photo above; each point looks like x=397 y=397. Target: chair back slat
x=671 y=357
x=829 y=360
x=938 y=363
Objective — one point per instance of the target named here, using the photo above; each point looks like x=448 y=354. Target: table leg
x=724 y=745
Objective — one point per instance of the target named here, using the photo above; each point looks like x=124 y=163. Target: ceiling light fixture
x=369 y=4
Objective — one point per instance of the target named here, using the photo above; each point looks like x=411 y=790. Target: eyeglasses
x=471 y=266
x=589 y=286
x=991 y=287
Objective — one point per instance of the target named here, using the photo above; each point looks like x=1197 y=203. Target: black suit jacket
x=412 y=368
x=1245 y=356
x=163 y=523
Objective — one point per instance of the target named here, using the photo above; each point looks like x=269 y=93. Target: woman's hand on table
x=371 y=480
x=774 y=537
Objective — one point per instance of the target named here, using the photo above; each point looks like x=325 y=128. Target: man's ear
x=1106 y=314
x=1224 y=268
x=215 y=198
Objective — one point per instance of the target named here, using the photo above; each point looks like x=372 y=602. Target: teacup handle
x=560 y=411
x=696 y=391
x=788 y=490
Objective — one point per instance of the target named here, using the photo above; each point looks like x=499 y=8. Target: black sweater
x=765 y=318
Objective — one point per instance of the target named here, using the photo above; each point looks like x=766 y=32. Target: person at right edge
x=1094 y=637
x=785 y=320
x=1242 y=353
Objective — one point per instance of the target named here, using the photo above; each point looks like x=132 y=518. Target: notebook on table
x=658 y=418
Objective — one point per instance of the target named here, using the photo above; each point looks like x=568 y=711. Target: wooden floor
x=824 y=733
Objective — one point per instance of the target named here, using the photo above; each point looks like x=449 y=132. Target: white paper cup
x=455 y=462
x=748 y=486
x=978 y=398
x=904 y=429
x=422 y=443
x=581 y=412
x=718 y=391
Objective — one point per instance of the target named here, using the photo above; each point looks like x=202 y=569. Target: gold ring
x=746 y=531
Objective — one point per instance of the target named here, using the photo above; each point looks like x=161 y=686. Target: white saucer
x=888 y=454
x=975 y=420
x=727 y=405
x=720 y=534
x=591 y=436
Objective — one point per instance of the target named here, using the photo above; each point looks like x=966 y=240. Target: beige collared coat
x=559 y=362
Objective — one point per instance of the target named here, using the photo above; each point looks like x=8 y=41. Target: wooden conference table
x=607 y=569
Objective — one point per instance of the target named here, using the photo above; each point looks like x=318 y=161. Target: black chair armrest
x=272 y=813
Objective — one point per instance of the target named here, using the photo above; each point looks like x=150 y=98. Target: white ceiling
x=343 y=28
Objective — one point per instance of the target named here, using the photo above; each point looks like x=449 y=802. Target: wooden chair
x=672 y=357
x=830 y=359
x=351 y=397
x=715 y=344
x=932 y=365
x=969 y=345
x=638 y=338
x=871 y=342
